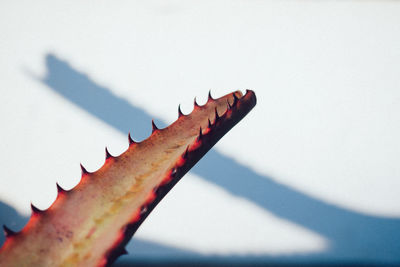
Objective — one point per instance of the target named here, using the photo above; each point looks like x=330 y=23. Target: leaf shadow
x=352 y=236
x=11 y=218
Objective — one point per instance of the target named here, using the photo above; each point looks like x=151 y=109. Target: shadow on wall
x=10 y=217
x=353 y=237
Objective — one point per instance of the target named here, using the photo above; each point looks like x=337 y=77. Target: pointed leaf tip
x=60 y=189
x=210 y=98
x=8 y=232
x=200 y=135
x=185 y=155
x=229 y=104
x=108 y=155
x=216 y=115
x=154 y=126
x=131 y=141
x=180 y=114
x=196 y=105
x=84 y=171
x=143 y=209
x=235 y=100
x=173 y=172
x=35 y=210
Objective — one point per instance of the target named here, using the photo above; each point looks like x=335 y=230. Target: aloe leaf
x=91 y=224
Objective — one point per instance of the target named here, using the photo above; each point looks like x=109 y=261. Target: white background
x=315 y=166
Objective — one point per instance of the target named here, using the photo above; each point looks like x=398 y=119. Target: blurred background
x=310 y=176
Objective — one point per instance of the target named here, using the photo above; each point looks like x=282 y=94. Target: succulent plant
x=91 y=224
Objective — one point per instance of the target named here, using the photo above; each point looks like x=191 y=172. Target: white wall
x=311 y=174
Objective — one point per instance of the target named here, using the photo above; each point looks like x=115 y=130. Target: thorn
x=173 y=172
x=35 y=210
x=209 y=124
x=131 y=141
x=108 y=155
x=8 y=232
x=210 y=98
x=195 y=103
x=180 y=114
x=200 y=135
x=185 y=155
x=124 y=251
x=84 y=171
x=154 y=126
x=235 y=100
x=60 y=189
x=216 y=115
x=155 y=190
x=229 y=105
x=143 y=210
x=159 y=190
